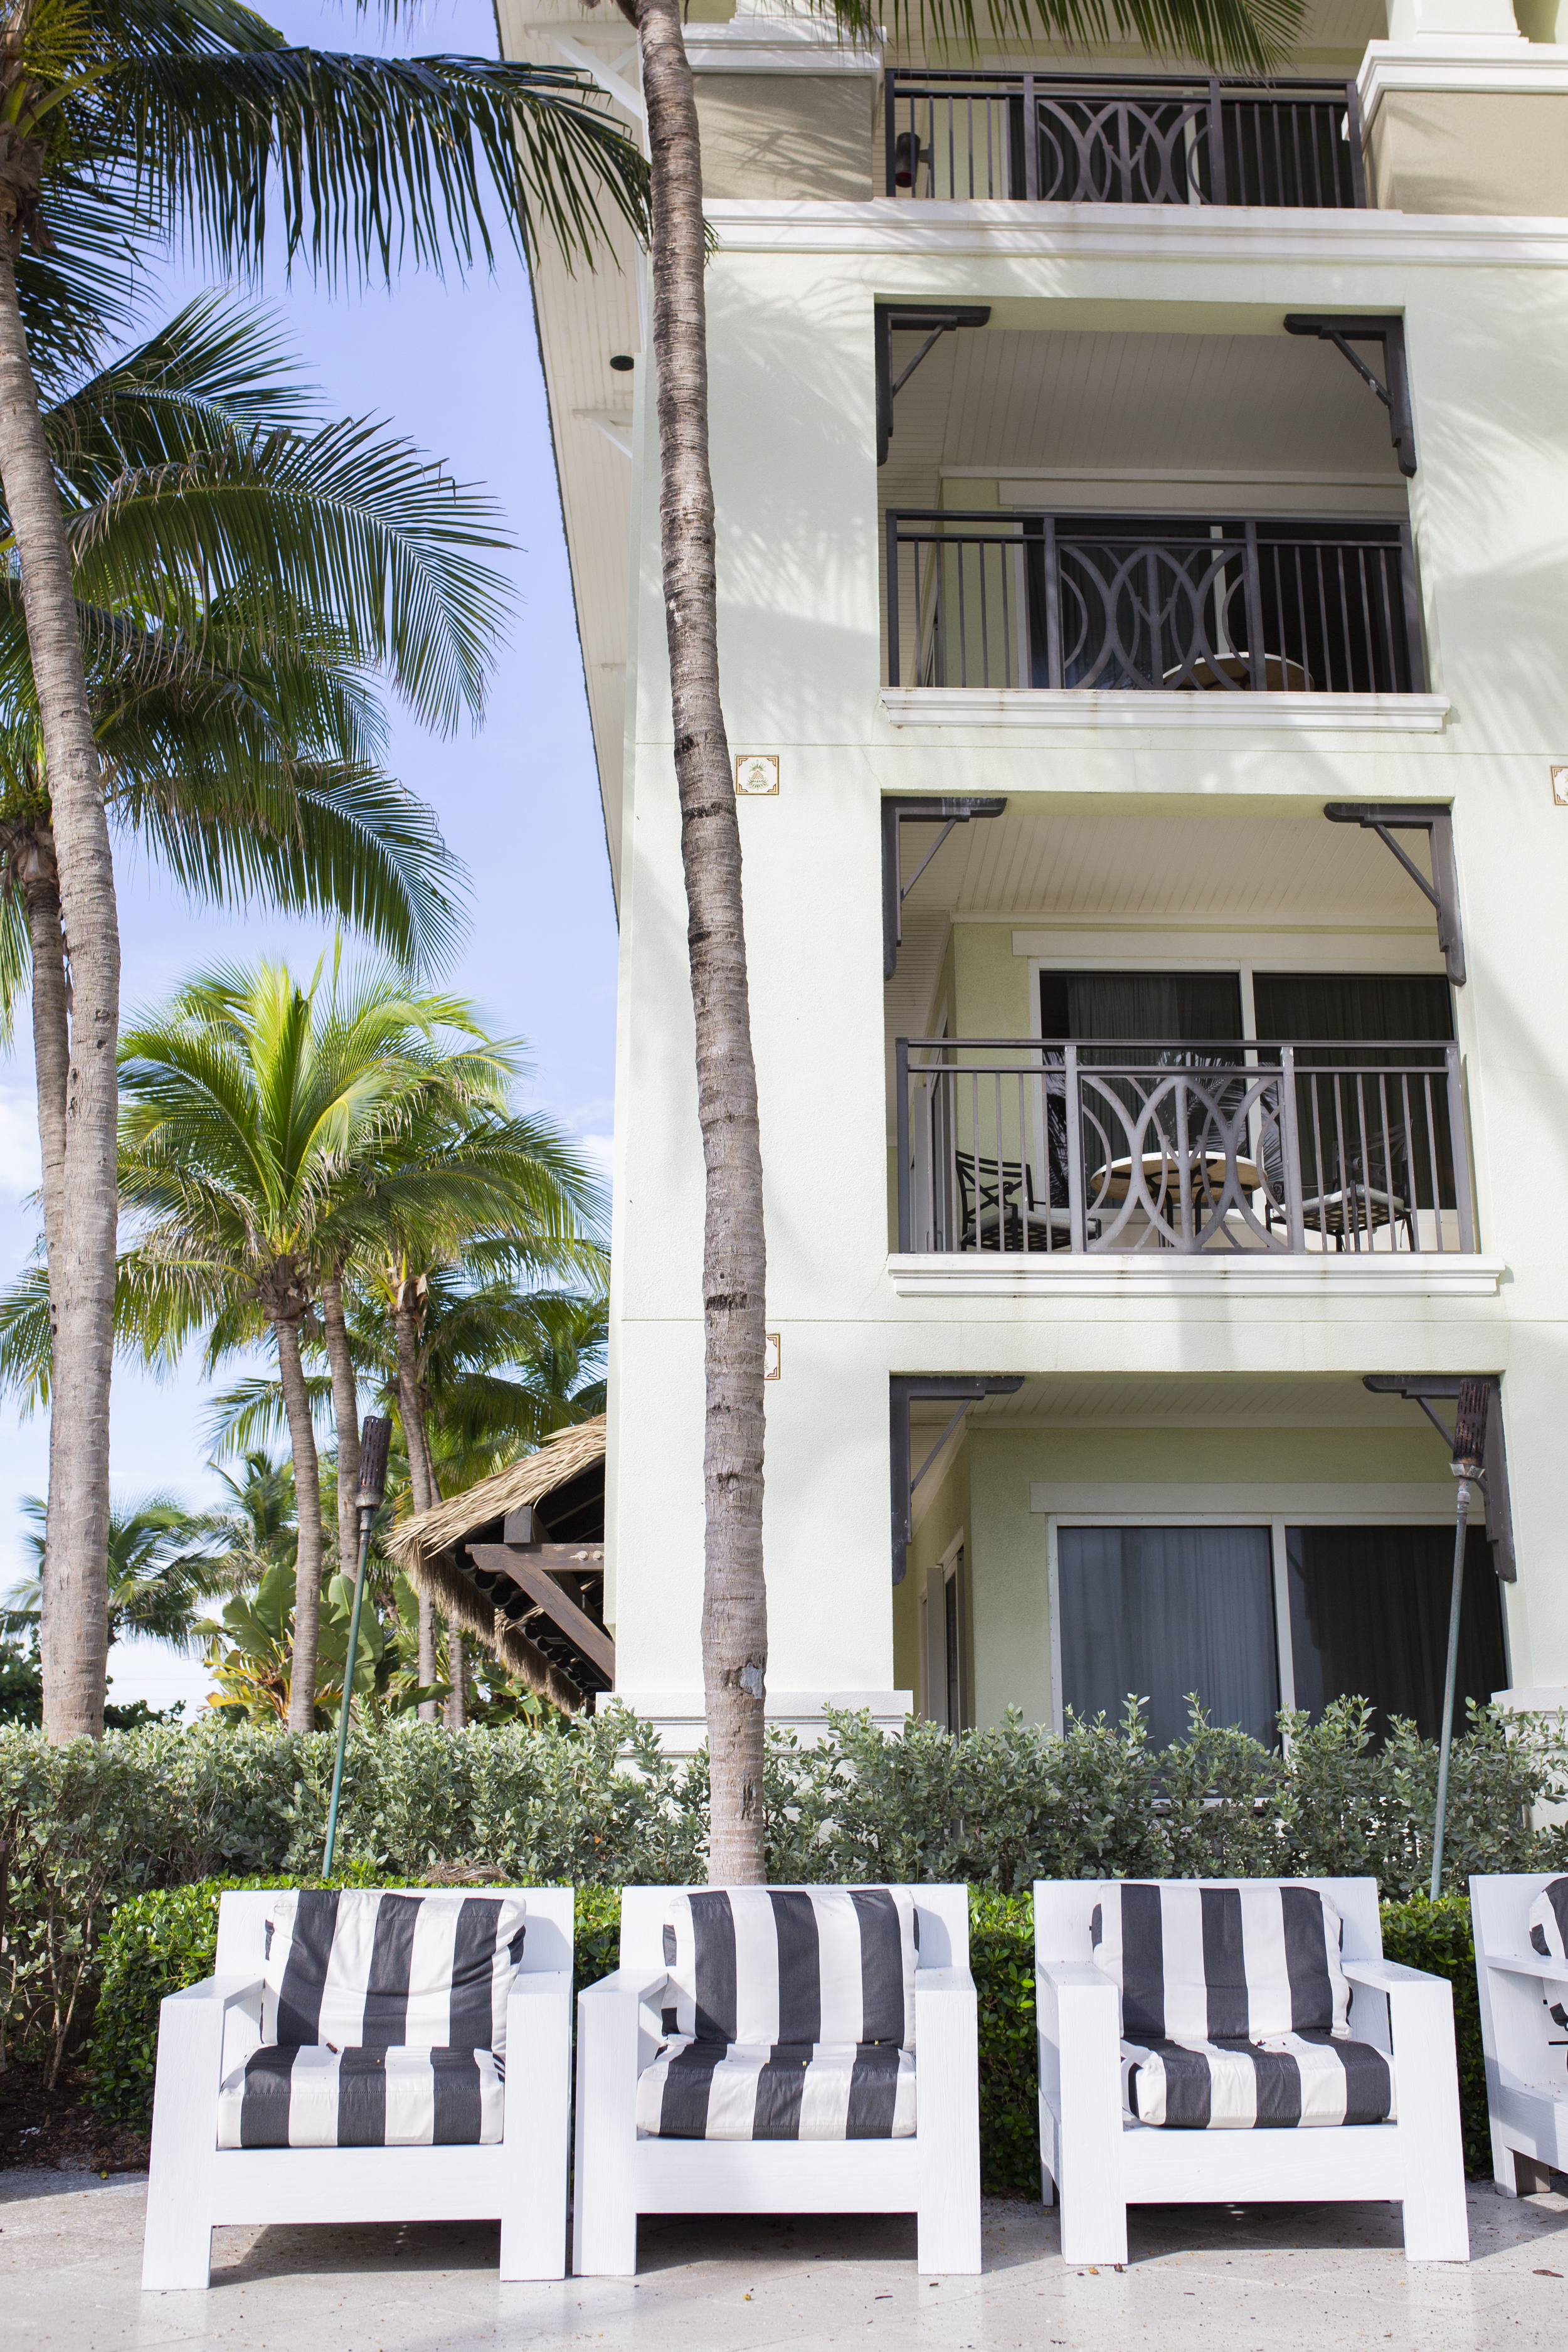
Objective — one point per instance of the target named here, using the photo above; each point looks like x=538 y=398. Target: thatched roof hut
x=519 y=1560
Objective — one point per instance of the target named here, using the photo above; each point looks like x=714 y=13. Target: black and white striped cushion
x=310 y=2097
x=1291 y=2080
x=1548 y=1922
x=357 y=1969
x=1235 y=1960
x=707 y=2090
x=801 y=1966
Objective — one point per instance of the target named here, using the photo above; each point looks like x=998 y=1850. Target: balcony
x=1123 y=140
x=1023 y=1148
x=1177 y=604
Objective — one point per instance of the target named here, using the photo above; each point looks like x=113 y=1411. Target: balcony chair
x=1183 y=2023
x=781 y=2050
x=1520 y=1926
x=1353 y=1212
x=347 y=2061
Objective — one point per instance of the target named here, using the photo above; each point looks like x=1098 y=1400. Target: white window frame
x=1241 y=1516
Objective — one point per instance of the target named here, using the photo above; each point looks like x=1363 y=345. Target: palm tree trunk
x=407 y=1340
x=74 y=1628
x=345 y=1415
x=308 y=1504
x=734 y=1595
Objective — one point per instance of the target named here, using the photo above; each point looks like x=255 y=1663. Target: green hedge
x=87 y=1830
x=160 y=1942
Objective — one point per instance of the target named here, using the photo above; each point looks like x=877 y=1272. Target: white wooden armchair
x=349 y=2062
x=1520 y=1926
x=1169 y=2011
x=781 y=2050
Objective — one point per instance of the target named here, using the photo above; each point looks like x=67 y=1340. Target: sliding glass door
x=1161 y=1612
x=1164 y=1610
x=1369 y=1618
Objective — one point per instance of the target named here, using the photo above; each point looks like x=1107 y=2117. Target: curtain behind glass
x=1367 y=1134
x=1369 y=1619
x=1160 y=1611
x=1357 y=1006
x=1182 y=1006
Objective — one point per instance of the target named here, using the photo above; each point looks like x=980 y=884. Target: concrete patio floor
x=1258 y=2278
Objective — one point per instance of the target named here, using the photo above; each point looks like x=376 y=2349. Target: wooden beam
x=529 y=1570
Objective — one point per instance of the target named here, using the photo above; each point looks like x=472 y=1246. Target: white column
x=1453 y=20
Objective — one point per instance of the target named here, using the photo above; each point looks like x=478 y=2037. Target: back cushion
x=1549 y=1933
x=1241 y=1961
x=793 y=1964
x=364 y=1970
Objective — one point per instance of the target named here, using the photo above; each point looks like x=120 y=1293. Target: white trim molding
x=1122 y=1503
x=996 y=228
x=1091 y=709
x=781 y=44
x=1327 y=1277
x=1536 y=68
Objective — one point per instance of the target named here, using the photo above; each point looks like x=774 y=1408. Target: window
x=1369 y=1616
x=1187 y=1007
x=1163 y=1611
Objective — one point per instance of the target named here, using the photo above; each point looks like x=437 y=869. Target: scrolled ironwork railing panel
x=1026 y=1146
x=1146 y=138
x=1231 y=604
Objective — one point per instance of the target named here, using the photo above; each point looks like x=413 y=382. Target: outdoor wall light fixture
x=623 y=362
x=906 y=158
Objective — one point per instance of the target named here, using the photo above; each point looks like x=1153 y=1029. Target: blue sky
x=456 y=368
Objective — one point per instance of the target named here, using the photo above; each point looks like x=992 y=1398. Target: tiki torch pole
x=1469 y=1449
x=374 y=1439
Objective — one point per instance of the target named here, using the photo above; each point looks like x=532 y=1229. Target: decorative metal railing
x=1139 y=138
x=1026 y=1146
x=1189 y=604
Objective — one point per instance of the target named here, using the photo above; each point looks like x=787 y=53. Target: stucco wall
x=784 y=135
x=1007 y=1563
x=795 y=478
x=1469 y=152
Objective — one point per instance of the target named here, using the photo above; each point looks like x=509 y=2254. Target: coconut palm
x=252 y=1107
x=125 y=124
x=162 y=1565
x=1252 y=34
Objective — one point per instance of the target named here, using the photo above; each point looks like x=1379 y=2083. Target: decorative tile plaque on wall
x=756 y=774
x=771 y=1360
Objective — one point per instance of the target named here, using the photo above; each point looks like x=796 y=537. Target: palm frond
x=214 y=376
x=377 y=160
x=1252 y=36
x=348 y=520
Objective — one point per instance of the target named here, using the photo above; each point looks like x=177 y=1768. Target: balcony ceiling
x=1006 y=402
x=1159 y=866
x=1079 y=1401
x=1155 y=870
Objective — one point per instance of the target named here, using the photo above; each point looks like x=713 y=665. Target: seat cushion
x=304 y=2096
x=1548 y=1923
x=1285 y=2081
x=796 y=1965
x=358 y=1969
x=1235 y=1960
x=709 y=2090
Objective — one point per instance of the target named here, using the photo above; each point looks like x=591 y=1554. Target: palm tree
x=123 y=125
x=253 y=1106
x=162 y=1565
x=484 y=1186
x=1249 y=32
